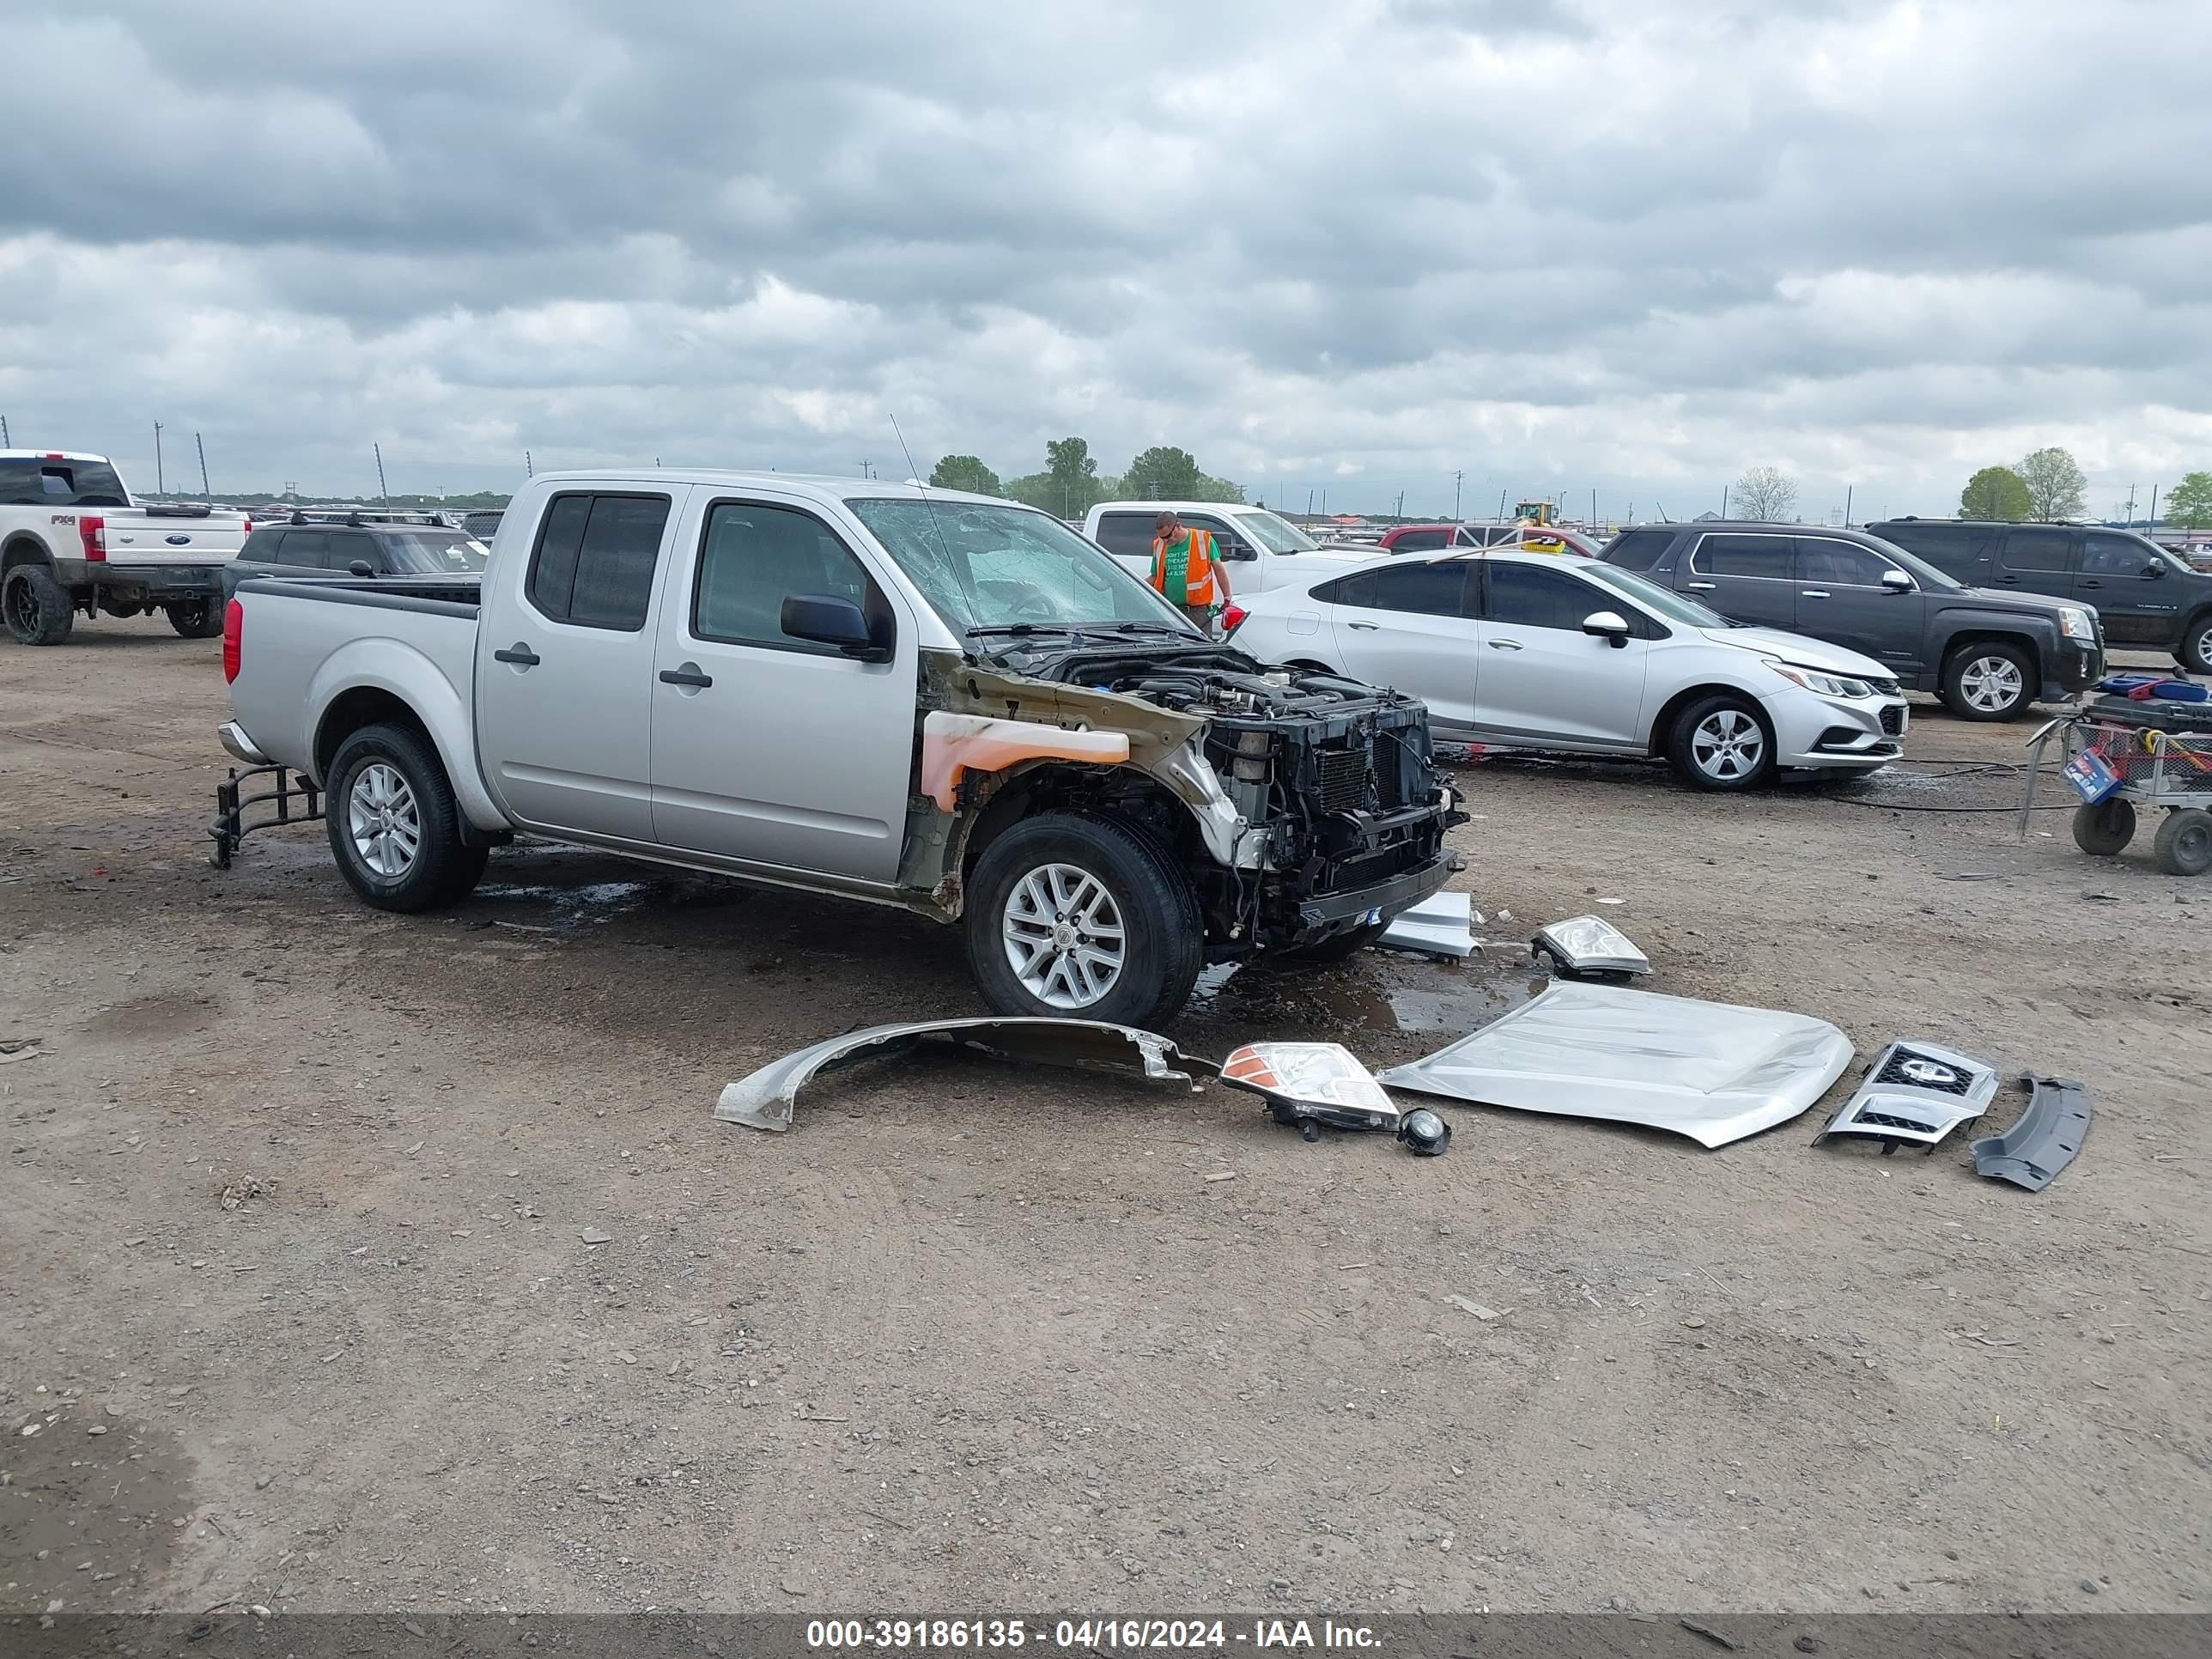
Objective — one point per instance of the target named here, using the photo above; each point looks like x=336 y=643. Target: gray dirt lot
x=975 y=1337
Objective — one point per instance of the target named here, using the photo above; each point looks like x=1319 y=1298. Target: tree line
x=2047 y=484
x=1071 y=483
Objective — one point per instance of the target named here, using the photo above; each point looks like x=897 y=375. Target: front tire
x=394 y=828
x=2184 y=847
x=1989 y=682
x=36 y=605
x=1078 y=918
x=2195 y=651
x=1722 y=743
x=2104 y=827
x=195 y=619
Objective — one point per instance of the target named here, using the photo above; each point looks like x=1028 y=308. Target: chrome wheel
x=1992 y=685
x=386 y=823
x=1728 y=745
x=1063 y=936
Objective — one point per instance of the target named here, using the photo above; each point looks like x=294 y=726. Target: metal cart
x=2120 y=755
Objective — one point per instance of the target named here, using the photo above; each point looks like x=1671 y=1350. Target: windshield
x=1652 y=597
x=984 y=567
x=435 y=553
x=1276 y=535
x=39 y=481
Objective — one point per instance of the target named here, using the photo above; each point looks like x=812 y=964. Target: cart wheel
x=2105 y=827
x=2185 y=842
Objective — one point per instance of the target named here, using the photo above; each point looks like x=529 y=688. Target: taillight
x=234 y=638
x=1231 y=615
x=92 y=532
x=248 y=529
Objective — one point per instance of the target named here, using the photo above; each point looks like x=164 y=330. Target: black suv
x=351 y=547
x=2144 y=594
x=1988 y=655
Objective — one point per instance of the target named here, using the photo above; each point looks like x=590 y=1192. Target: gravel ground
x=294 y=1283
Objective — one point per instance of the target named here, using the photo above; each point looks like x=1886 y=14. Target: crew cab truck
x=71 y=540
x=1986 y=653
x=948 y=703
x=1261 y=550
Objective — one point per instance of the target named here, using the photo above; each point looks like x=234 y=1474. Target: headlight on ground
x=2074 y=622
x=1828 y=685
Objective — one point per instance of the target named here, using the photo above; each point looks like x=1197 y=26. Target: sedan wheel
x=386 y=823
x=1063 y=936
x=1728 y=746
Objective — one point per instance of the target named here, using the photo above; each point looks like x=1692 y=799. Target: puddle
x=1378 y=991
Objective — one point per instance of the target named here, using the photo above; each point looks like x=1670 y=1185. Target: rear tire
x=1043 y=904
x=1990 y=681
x=2195 y=651
x=36 y=605
x=2184 y=847
x=1723 y=744
x=2104 y=827
x=394 y=828
x=195 y=619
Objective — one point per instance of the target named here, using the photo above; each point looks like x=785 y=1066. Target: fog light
x=1424 y=1132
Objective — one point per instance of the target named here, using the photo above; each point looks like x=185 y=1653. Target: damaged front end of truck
x=1302 y=808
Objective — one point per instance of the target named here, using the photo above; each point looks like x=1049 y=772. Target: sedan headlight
x=1828 y=685
x=2076 y=623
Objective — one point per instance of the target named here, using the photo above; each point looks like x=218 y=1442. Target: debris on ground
x=1583 y=945
x=2043 y=1140
x=15 y=1048
x=1918 y=1092
x=1465 y=1305
x=1309 y=1084
x=1441 y=924
x=236 y=1194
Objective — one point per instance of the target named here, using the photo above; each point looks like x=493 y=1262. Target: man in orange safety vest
x=1186 y=569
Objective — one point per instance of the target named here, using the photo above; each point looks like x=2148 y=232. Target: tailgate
x=140 y=536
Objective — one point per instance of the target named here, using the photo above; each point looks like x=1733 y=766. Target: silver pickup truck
x=944 y=702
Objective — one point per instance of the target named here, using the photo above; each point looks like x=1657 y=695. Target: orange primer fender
x=954 y=744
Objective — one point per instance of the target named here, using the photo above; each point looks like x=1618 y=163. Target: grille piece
x=1918 y=1092
x=1892 y=720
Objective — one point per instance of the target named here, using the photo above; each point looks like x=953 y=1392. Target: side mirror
x=825 y=619
x=1608 y=625
x=2155 y=568
x=360 y=567
x=1240 y=552
x=1897 y=581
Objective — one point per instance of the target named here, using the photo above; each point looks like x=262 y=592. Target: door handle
x=1813 y=593
x=519 y=654
x=687 y=674
x=1503 y=645
x=1698 y=587
x=2089 y=581
x=1364 y=628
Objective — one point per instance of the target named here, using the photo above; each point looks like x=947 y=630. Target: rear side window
x=28 y=481
x=1529 y=596
x=595 y=560
x=1428 y=589
x=2042 y=550
x=752 y=557
x=1129 y=534
x=1358 y=589
x=262 y=547
x=310 y=548
x=1639 y=549
x=1743 y=556
x=1419 y=541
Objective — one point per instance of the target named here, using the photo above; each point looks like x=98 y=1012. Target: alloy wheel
x=1728 y=745
x=1991 y=684
x=383 y=820
x=1063 y=936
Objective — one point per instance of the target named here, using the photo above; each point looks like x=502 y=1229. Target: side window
x=2038 y=550
x=1846 y=564
x=1743 y=556
x=1529 y=596
x=262 y=547
x=752 y=557
x=1358 y=589
x=2114 y=556
x=307 y=547
x=1428 y=589
x=1129 y=534
x=595 y=560
x=1419 y=541
x=1639 y=549
x=349 y=545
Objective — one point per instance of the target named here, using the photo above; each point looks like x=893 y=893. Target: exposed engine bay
x=1338 y=818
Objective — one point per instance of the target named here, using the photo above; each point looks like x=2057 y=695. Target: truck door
x=766 y=749
x=2138 y=607
x=1743 y=575
x=2037 y=558
x=564 y=666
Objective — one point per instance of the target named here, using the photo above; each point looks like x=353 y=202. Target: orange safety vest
x=1198 y=571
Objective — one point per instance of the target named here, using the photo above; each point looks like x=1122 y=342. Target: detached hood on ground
x=1796 y=648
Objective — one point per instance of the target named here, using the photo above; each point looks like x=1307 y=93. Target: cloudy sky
x=1634 y=246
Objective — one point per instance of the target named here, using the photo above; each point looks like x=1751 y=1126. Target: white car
x=1261 y=550
x=1536 y=651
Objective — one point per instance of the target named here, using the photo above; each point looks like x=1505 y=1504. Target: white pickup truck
x=948 y=704
x=1261 y=550
x=71 y=540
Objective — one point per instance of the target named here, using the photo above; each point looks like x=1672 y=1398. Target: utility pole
x=161 y=484
x=528 y=471
x=1399 y=515
x=6 y=442
x=1592 y=507
x=1455 y=478
x=206 y=492
x=1501 y=507
x=1724 y=495
x=2131 y=507
x=382 y=487
x=1847 y=505
x=1308 y=501
x=2151 y=523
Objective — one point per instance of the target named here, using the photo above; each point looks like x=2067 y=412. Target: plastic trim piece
x=1441 y=924
x=765 y=1099
x=2043 y=1140
x=1916 y=1092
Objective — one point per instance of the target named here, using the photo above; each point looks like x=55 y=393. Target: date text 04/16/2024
x=1121 y=1634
